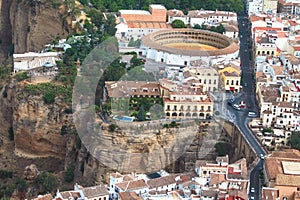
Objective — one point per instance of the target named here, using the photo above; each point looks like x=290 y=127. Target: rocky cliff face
x=28 y=25
x=37 y=129
x=140 y=147
x=37 y=126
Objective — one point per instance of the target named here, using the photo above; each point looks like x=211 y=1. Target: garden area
x=142 y=108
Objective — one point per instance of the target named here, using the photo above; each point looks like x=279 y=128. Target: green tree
x=21 y=186
x=294 y=140
x=49 y=97
x=141 y=115
x=63 y=130
x=112 y=127
x=223 y=148
x=177 y=23
x=197 y=26
x=173 y=124
x=220 y=29
x=46 y=182
x=69 y=174
x=11 y=134
x=110 y=25
x=135 y=61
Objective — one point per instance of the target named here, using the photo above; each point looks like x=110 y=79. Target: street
x=248 y=76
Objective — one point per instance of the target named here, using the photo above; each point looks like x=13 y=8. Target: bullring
x=180 y=46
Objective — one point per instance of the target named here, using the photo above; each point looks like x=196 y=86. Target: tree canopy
x=177 y=23
x=185 y=5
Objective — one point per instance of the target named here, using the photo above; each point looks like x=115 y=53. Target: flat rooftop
x=134 y=12
x=157 y=6
x=291 y=167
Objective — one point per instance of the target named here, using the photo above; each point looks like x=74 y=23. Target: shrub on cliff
x=21 y=76
x=11 y=134
x=49 y=97
x=69 y=174
x=50 y=91
x=46 y=182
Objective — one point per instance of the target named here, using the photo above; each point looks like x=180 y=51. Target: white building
x=177 y=15
x=209 y=17
x=254 y=6
x=32 y=60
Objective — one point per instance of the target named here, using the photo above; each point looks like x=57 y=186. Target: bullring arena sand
x=191 y=46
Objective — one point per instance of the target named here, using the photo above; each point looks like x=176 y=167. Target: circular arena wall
x=180 y=46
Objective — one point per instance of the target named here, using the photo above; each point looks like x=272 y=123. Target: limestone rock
x=31 y=172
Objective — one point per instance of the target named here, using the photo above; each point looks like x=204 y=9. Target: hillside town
x=243 y=68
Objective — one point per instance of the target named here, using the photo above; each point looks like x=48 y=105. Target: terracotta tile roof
x=204 y=13
x=286 y=104
x=237 y=194
x=233 y=74
x=255 y=29
x=147 y=25
x=210 y=193
x=217 y=179
x=270 y=193
x=95 y=191
x=130 y=88
x=292 y=23
x=267 y=112
x=44 y=197
x=287 y=154
x=297 y=195
x=260 y=74
x=296 y=48
x=270 y=93
x=254 y=18
x=285 y=88
x=175 y=13
x=132 y=185
x=116 y=175
x=129 y=196
x=288 y=180
x=278 y=70
x=70 y=194
x=240 y=165
x=162 y=181
x=273 y=167
x=273 y=163
x=128 y=178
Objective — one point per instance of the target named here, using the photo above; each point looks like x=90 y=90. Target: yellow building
x=231 y=78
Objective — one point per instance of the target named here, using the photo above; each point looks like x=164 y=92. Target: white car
x=252 y=190
x=252 y=197
x=235 y=106
x=262 y=156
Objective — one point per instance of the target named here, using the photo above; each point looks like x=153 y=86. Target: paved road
x=248 y=76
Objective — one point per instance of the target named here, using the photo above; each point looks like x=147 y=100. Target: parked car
x=235 y=106
x=252 y=114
